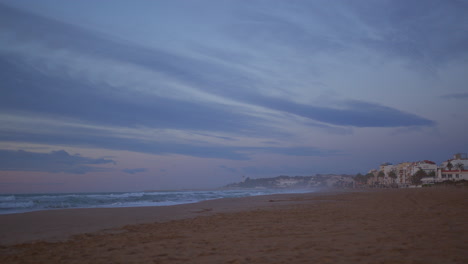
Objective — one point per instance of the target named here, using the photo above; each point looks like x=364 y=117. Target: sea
x=21 y=203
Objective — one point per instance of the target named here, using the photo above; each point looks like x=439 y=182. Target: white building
x=455 y=169
x=403 y=171
x=429 y=167
x=287 y=182
x=387 y=170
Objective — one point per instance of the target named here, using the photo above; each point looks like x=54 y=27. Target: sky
x=152 y=95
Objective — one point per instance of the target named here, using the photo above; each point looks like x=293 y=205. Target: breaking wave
x=19 y=203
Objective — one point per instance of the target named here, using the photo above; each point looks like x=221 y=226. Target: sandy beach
x=426 y=225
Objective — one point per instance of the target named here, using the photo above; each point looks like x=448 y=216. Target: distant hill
x=319 y=180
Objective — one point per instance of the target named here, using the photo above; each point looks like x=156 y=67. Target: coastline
x=426 y=225
x=24 y=203
x=60 y=224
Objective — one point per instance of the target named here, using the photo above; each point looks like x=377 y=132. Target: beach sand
x=424 y=225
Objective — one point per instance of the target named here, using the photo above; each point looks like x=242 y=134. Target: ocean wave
x=34 y=202
x=7 y=198
x=116 y=195
x=16 y=205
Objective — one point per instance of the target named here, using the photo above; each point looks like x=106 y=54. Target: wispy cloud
x=136 y=170
x=228 y=169
x=54 y=161
x=162 y=147
x=461 y=96
x=352 y=113
x=130 y=86
x=408 y=29
x=276 y=170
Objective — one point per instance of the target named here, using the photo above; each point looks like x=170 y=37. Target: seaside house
x=455 y=169
x=384 y=165
x=373 y=180
x=403 y=171
x=429 y=168
x=387 y=169
x=381 y=175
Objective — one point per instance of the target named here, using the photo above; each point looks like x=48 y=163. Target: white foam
x=14 y=205
x=24 y=203
x=7 y=198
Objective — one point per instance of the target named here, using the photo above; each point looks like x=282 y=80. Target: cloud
x=425 y=33
x=55 y=161
x=294 y=151
x=161 y=148
x=29 y=184
x=271 y=142
x=36 y=96
x=421 y=31
x=215 y=136
x=461 y=96
x=124 y=106
x=128 y=85
x=353 y=113
x=276 y=170
x=136 y=170
x=155 y=111
x=228 y=169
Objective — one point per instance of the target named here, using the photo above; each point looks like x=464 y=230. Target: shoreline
x=60 y=224
x=424 y=225
x=120 y=199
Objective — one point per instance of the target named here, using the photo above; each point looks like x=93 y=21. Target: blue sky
x=135 y=95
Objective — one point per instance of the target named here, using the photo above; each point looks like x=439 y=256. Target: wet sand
x=386 y=226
